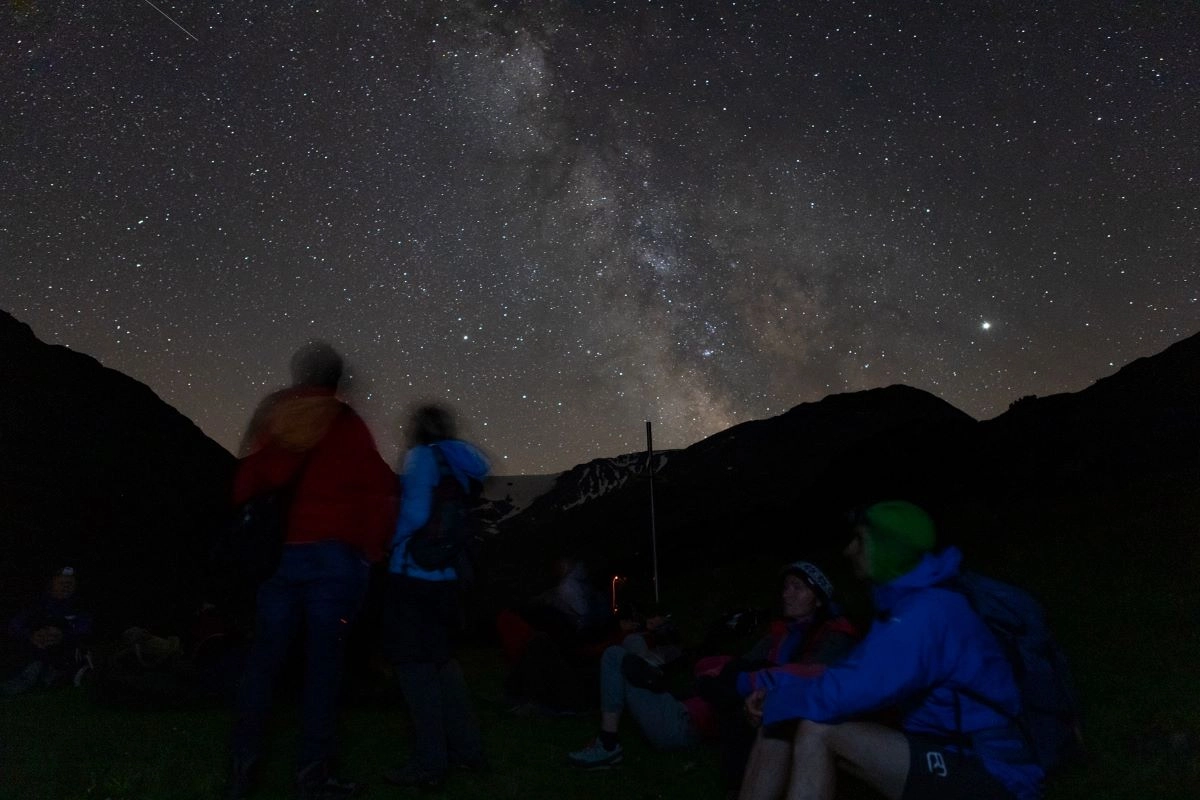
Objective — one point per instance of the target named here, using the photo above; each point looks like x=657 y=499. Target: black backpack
x=452 y=525
x=250 y=545
x=1049 y=718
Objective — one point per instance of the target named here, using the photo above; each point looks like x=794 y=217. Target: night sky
x=568 y=218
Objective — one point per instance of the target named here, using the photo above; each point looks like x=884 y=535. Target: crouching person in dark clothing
x=49 y=638
x=930 y=658
x=421 y=606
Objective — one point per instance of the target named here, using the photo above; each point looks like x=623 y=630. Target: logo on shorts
x=936 y=763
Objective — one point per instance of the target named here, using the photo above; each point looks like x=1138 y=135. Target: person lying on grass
x=930 y=658
x=812 y=633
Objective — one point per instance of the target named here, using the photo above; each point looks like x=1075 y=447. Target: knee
x=612 y=657
x=809 y=733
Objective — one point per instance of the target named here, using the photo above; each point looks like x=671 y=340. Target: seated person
x=931 y=659
x=49 y=637
x=554 y=642
x=811 y=633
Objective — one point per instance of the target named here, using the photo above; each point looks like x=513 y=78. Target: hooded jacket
x=346 y=491
x=419 y=480
x=926 y=645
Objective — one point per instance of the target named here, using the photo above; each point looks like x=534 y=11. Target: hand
x=754 y=707
x=46 y=637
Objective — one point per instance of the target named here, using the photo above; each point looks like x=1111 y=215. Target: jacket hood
x=932 y=569
x=293 y=419
x=464 y=458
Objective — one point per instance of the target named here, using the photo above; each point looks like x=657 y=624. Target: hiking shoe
x=411 y=776
x=594 y=756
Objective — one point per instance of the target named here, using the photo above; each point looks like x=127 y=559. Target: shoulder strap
x=443 y=465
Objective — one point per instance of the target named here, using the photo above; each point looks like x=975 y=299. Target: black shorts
x=935 y=772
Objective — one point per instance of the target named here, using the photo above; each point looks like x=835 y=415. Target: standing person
x=930 y=658
x=421 y=610
x=341 y=514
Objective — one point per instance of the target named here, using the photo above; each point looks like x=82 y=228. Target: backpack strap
x=443 y=466
x=443 y=470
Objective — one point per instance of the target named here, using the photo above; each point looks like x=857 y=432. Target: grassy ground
x=1116 y=578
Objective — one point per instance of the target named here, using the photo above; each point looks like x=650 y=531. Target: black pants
x=419 y=619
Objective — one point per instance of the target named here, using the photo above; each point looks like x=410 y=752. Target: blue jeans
x=663 y=719
x=320 y=586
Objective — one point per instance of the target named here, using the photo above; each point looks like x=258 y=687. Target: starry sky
x=566 y=218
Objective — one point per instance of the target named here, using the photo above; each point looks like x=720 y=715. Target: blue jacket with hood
x=926 y=646
x=416 y=499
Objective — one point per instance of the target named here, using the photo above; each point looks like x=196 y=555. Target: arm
x=832 y=642
x=265 y=469
x=896 y=661
x=420 y=478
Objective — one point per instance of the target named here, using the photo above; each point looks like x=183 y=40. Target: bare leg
x=875 y=753
x=767 y=770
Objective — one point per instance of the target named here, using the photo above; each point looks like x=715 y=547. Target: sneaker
x=594 y=756
x=411 y=776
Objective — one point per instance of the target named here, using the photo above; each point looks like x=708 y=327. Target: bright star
x=987 y=326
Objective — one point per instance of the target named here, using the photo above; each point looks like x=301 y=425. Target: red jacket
x=347 y=491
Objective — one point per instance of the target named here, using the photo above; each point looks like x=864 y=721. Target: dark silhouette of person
x=50 y=637
x=340 y=520
x=421 y=610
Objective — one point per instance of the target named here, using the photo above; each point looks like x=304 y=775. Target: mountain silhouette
x=771 y=485
x=98 y=473
x=782 y=485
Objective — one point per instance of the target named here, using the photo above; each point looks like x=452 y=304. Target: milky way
x=568 y=218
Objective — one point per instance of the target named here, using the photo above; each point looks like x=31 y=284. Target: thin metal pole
x=653 y=527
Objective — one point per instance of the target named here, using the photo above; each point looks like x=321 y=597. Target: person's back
x=421 y=609
x=346 y=491
x=959 y=661
x=339 y=518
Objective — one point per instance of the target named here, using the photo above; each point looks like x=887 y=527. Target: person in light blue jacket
x=927 y=658
x=421 y=610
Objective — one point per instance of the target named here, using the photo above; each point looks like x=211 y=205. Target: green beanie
x=898 y=534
